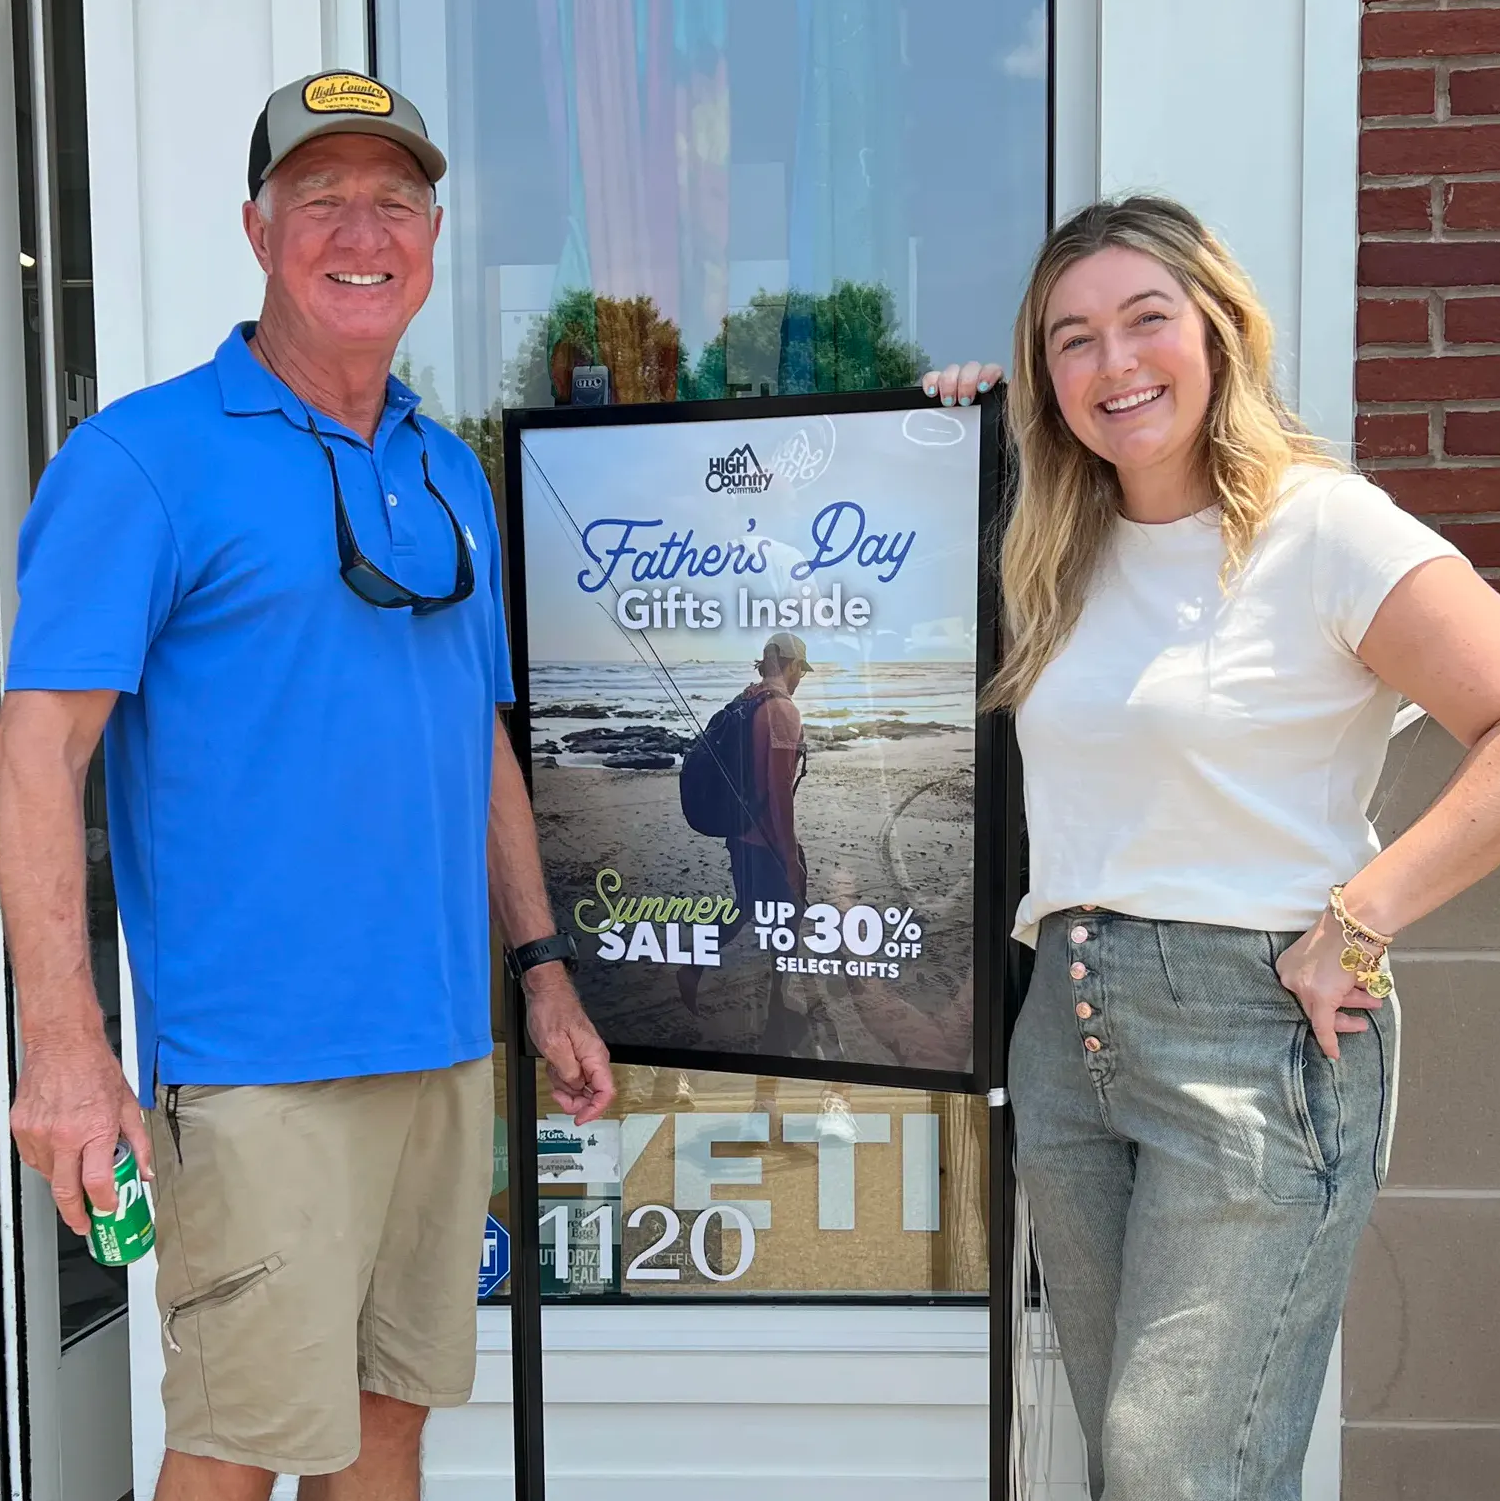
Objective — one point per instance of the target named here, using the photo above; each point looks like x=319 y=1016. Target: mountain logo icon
x=738 y=472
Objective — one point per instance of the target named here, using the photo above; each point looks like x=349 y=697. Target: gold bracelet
x=1348 y=924
x=1368 y=969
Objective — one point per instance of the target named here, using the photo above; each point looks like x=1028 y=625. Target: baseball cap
x=325 y=104
x=788 y=647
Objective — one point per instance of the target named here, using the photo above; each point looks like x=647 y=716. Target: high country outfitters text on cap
x=337 y=104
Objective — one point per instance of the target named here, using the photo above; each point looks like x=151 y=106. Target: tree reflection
x=781 y=344
x=792 y=343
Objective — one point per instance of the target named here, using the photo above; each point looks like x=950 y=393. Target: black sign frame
x=993 y=954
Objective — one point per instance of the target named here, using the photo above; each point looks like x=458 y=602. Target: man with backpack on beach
x=739 y=780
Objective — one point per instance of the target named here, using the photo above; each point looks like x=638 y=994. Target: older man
x=275 y=588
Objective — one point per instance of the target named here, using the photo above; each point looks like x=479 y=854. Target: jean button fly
x=1084 y=1010
x=1092 y=1044
x=1078 y=970
x=1080 y=934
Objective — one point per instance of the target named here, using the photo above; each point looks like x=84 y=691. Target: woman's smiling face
x=1127 y=351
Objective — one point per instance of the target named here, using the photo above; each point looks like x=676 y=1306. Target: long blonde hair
x=1068 y=496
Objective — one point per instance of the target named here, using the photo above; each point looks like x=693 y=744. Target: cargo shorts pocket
x=219 y=1295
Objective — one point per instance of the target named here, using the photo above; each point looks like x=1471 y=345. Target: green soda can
x=118 y=1237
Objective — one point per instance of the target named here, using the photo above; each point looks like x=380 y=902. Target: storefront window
x=710 y=199
x=714 y=1184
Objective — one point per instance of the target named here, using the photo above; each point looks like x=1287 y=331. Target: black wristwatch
x=541 y=951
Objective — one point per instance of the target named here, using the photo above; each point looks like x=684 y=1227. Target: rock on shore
x=570 y=711
x=645 y=747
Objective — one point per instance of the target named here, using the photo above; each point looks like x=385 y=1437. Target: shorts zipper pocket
x=226 y=1291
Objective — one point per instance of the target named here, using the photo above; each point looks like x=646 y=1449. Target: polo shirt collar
x=249 y=389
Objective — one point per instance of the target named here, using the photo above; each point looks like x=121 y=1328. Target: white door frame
x=90 y=1378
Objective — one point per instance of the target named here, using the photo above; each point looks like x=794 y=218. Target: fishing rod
x=657 y=667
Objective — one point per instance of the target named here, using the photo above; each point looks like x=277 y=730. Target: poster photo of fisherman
x=750 y=666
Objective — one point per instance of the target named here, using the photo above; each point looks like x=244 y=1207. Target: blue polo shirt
x=298 y=781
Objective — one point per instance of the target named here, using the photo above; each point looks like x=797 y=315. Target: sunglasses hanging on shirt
x=363 y=577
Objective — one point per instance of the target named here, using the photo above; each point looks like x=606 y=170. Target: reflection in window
x=714 y=199
x=713 y=1184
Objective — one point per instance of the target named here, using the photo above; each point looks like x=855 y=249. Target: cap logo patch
x=346 y=93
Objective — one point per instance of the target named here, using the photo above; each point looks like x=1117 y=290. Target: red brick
x=1471 y=205
x=1456 y=263
x=1430 y=33
x=1438 y=492
x=1471 y=91
x=1480 y=541
x=1399 y=321
x=1472 y=320
x=1391 y=435
x=1397 y=151
x=1443 y=378
x=1398 y=91
x=1472 y=434
x=1382 y=209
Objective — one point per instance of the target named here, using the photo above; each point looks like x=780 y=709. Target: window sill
x=773 y=1329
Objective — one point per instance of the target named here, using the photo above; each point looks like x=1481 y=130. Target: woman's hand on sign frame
x=960 y=385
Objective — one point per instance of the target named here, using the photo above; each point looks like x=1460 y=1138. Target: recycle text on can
x=122 y=1235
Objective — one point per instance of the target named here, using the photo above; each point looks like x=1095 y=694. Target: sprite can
x=122 y=1235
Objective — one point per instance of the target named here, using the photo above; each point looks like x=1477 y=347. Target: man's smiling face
x=348 y=246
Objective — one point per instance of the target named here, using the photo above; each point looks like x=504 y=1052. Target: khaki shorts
x=316 y=1241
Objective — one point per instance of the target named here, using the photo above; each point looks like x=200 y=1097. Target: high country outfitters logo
x=737 y=473
x=340 y=93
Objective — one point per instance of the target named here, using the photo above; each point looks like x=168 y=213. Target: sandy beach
x=886 y=822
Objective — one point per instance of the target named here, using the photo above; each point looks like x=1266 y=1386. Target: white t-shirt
x=1206 y=757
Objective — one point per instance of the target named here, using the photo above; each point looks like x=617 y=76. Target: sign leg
x=525 y=1271
x=1003 y=1313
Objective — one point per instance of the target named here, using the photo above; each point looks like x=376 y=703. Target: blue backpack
x=717 y=784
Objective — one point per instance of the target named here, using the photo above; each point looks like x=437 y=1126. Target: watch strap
x=559 y=946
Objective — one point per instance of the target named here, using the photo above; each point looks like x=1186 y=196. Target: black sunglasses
x=364 y=578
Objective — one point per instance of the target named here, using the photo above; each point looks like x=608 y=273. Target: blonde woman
x=1210 y=623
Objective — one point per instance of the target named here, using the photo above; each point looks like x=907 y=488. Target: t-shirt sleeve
x=1365 y=544
x=98 y=571
x=783 y=724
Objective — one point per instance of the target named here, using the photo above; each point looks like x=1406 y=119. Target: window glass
x=89 y=1295
x=711 y=199
x=702 y=1184
x=715 y=199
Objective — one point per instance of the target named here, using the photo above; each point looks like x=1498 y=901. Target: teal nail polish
x=947 y=401
x=932 y=390
x=963 y=401
x=984 y=386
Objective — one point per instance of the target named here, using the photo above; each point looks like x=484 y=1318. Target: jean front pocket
x=1318 y=1101
x=1270 y=1127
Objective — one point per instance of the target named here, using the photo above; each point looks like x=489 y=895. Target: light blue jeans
x=1200 y=1175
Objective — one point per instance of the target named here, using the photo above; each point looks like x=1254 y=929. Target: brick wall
x=1428 y=377
x=1421 y=1350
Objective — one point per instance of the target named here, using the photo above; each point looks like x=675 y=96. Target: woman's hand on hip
x=960 y=384
x=1310 y=969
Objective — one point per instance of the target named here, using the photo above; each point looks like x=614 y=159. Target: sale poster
x=749 y=658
